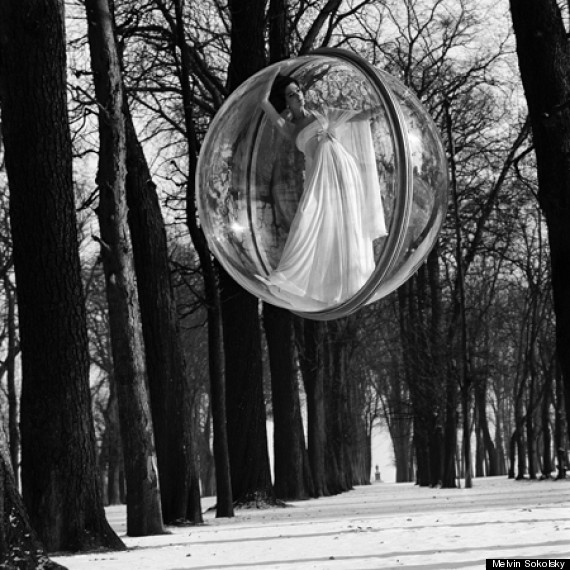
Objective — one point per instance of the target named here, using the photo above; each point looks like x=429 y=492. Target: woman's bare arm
x=285 y=127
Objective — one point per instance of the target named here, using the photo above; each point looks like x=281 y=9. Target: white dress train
x=328 y=254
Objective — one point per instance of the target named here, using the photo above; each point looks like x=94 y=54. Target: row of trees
x=465 y=346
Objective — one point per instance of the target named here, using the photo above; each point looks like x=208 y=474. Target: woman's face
x=294 y=97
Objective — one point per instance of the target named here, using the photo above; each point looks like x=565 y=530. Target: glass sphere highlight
x=340 y=214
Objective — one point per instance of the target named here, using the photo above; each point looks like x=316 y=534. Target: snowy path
x=385 y=525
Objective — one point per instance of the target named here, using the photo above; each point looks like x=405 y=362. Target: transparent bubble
x=340 y=214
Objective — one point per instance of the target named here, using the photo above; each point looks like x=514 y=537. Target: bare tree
x=249 y=459
x=544 y=62
x=19 y=544
x=169 y=388
x=144 y=514
x=216 y=359
x=59 y=471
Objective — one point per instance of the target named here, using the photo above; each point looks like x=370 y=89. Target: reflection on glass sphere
x=337 y=216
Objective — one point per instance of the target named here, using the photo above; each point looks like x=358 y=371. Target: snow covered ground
x=384 y=525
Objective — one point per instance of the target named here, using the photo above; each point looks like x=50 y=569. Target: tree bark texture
x=279 y=39
x=544 y=62
x=547 y=467
x=144 y=514
x=20 y=547
x=500 y=439
x=170 y=392
x=338 y=426
x=13 y=415
x=292 y=479
x=401 y=444
x=421 y=355
x=360 y=445
x=112 y=438
x=560 y=428
x=397 y=412
x=310 y=336
x=245 y=403
x=488 y=447
x=59 y=472
x=206 y=457
x=216 y=356
x=530 y=429
x=245 y=400
x=247 y=40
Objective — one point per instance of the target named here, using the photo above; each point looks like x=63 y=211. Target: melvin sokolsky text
x=513 y=563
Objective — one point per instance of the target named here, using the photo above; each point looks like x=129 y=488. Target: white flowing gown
x=328 y=254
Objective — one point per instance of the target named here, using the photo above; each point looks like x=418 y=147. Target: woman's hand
x=271 y=79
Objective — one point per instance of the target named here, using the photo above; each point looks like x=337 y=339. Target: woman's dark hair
x=277 y=94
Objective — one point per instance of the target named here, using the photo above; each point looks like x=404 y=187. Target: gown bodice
x=315 y=130
x=309 y=137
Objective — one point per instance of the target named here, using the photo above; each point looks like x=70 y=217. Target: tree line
x=143 y=361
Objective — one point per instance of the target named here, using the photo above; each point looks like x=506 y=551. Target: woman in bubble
x=328 y=254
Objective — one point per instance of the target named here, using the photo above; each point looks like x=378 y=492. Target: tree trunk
x=290 y=454
x=20 y=547
x=544 y=62
x=13 y=420
x=207 y=470
x=521 y=455
x=517 y=445
x=459 y=299
x=421 y=445
x=59 y=468
x=488 y=447
x=245 y=400
x=115 y=449
x=359 y=449
x=436 y=351
x=499 y=440
x=216 y=356
x=247 y=40
x=368 y=457
x=401 y=446
x=247 y=434
x=170 y=394
x=420 y=334
x=512 y=454
x=545 y=421
x=449 y=479
x=278 y=30
x=396 y=407
x=479 y=450
x=530 y=430
x=144 y=514
x=310 y=342
x=559 y=427
x=339 y=430
x=466 y=409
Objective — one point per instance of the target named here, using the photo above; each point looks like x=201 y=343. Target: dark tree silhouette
x=544 y=62
x=59 y=471
x=20 y=547
x=170 y=395
x=216 y=357
x=291 y=466
x=245 y=402
x=144 y=514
